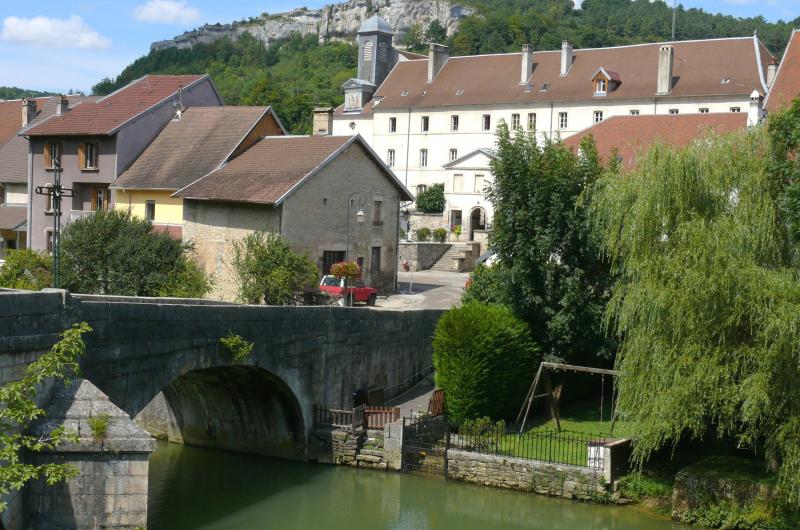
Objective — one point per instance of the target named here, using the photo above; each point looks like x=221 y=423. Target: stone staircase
x=460 y=257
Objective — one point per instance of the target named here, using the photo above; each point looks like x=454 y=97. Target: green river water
x=196 y=488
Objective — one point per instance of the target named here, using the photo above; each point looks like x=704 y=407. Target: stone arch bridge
x=143 y=348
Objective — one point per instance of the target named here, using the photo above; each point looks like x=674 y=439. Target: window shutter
x=48 y=154
x=82 y=155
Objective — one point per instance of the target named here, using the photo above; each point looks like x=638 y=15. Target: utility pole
x=56 y=192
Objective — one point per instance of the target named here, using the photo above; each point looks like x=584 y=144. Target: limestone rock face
x=332 y=22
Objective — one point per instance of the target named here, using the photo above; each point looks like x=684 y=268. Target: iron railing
x=550 y=446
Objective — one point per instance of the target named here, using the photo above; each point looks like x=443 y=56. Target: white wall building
x=433 y=120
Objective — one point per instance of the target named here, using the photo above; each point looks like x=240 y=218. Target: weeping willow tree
x=707 y=303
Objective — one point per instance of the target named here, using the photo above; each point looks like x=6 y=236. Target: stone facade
x=421 y=256
x=525 y=475
x=213 y=227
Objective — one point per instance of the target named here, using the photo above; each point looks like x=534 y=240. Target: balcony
x=75 y=215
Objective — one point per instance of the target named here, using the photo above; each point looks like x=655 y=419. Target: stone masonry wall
x=421 y=256
x=525 y=475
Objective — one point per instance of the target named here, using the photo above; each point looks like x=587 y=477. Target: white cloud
x=72 y=32
x=167 y=11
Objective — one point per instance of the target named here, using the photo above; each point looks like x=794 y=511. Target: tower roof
x=376 y=24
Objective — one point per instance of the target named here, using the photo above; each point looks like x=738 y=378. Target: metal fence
x=555 y=447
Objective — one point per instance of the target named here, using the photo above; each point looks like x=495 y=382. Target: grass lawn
x=580 y=417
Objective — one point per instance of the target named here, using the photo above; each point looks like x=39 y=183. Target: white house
x=433 y=120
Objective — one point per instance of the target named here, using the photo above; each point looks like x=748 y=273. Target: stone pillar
x=111 y=457
x=393 y=445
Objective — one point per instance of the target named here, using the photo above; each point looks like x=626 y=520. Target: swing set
x=553 y=395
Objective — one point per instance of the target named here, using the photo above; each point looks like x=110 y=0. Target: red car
x=361 y=293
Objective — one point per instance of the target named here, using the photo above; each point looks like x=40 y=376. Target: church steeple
x=375 y=53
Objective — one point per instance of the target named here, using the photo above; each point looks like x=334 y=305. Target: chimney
x=62 y=106
x=754 y=112
x=665 y=56
x=323 y=121
x=28 y=111
x=436 y=58
x=772 y=70
x=566 y=57
x=527 y=64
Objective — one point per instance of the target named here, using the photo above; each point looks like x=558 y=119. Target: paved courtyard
x=426 y=290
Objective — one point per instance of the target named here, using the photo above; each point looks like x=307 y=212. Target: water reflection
x=195 y=488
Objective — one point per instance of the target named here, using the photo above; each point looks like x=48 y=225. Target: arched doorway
x=477 y=221
x=239 y=408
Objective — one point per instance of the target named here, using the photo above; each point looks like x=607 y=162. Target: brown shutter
x=48 y=154
x=82 y=155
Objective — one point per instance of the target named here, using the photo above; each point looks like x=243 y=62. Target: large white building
x=433 y=119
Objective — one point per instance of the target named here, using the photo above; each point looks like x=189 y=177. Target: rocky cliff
x=335 y=21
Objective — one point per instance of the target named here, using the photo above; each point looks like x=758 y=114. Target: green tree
x=707 y=300
x=488 y=285
x=18 y=409
x=436 y=32
x=268 y=271
x=784 y=134
x=484 y=359
x=556 y=279
x=432 y=199
x=26 y=269
x=114 y=253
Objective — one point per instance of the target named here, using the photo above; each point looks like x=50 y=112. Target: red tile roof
x=109 y=112
x=631 y=134
x=699 y=67
x=268 y=170
x=786 y=85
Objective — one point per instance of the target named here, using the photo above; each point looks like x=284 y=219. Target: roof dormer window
x=604 y=81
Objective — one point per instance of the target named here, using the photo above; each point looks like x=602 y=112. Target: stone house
x=329 y=197
x=194 y=143
x=96 y=140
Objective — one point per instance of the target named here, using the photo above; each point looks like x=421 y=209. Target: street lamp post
x=359 y=203
x=56 y=192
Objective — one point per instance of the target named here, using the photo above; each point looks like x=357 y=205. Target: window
x=52 y=155
x=531 y=121
x=562 y=120
x=375 y=260
x=422 y=188
x=479 y=184
x=634 y=112
x=598 y=116
x=545 y=87
x=377 y=212
x=454 y=122
x=329 y=257
x=515 y=121
x=392 y=124
x=601 y=86
x=673 y=111
x=2 y=194
x=736 y=109
x=49 y=237
x=390 y=157
x=425 y=123
x=99 y=198
x=704 y=110
x=487 y=122
x=87 y=156
x=458 y=183
x=453 y=154
x=423 y=158
x=48 y=200
x=150 y=211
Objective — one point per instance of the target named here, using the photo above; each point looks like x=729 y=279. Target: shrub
x=26 y=269
x=423 y=234
x=488 y=285
x=484 y=359
x=235 y=347
x=114 y=253
x=403 y=234
x=268 y=270
x=99 y=426
x=457 y=231
x=431 y=200
x=440 y=235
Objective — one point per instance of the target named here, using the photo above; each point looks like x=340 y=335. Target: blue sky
x=56 y=45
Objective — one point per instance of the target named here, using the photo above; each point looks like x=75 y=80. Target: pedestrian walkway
x=415 y=399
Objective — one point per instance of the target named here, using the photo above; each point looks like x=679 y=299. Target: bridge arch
x=240 y=408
